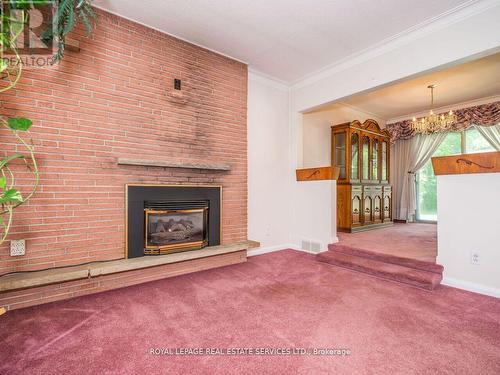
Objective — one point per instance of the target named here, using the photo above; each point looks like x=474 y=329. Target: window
x=384 y=161
x=466 y=142
x=475 y=142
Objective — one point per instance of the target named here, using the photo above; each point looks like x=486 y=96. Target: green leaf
x=41 y=2
x=3 y=182
x=3 y=65
x=65 y=6
x=90 y=11
x=17 y=23
x=8 y=159
x=11 y=195
x=70 y=22
x=47 y=35
x=20 y=4
x=4 y=41
x=20 y=123
x=86 y=22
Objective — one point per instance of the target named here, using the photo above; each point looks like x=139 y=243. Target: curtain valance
x=483 y=115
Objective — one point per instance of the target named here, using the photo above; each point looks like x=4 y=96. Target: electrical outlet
x=475 y=259
x=268 y=231
x=17 y=248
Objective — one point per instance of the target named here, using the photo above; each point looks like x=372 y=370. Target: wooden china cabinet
x=364 y=196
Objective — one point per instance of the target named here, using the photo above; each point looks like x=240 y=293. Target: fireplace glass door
x=174 y=230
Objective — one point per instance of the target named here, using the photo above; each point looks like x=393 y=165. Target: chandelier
x=433 y=122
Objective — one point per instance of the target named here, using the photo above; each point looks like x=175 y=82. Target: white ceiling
x=467 y=82
x=285 y=39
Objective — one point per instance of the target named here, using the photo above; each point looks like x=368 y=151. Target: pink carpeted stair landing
x=417 y=273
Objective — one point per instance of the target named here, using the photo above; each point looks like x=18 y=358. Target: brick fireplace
x=115 y=99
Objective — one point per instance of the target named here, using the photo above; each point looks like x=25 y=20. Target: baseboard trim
x=270 y=249
x=471 y=287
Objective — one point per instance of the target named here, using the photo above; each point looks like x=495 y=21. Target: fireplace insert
x=175 y=226
x=163 y=219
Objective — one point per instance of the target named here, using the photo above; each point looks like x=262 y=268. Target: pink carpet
x=284 y=299
x=412 y=240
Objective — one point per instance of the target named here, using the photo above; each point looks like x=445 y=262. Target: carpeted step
x=387 y=258
x=415 y=277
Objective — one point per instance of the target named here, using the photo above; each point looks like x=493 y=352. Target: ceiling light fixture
x=433 y=123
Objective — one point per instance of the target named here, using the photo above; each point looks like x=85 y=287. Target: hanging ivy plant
x=69 y=12
x=67 y=16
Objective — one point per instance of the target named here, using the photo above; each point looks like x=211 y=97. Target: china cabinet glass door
x=339 y=153
x=354 y=156
x=366 y=158
x=375 y=160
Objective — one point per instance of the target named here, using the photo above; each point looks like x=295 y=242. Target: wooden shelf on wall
x=317 y=174
x=484 y=162
x=168 y=164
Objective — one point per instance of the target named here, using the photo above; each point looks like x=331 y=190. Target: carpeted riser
x=387 y=258
x=389 y=271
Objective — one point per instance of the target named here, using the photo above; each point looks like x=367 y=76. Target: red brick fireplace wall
x=114 y=99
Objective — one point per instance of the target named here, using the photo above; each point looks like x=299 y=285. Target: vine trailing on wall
x=11 y=197
x=68 y=14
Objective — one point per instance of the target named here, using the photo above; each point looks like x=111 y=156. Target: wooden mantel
x=170 y=164
x=317 y=174
x=484 y=162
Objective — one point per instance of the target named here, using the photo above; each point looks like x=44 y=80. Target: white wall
x=468 y=209
x=269 y=164
x=314 y=214
x=274 y=219
x=316 y=132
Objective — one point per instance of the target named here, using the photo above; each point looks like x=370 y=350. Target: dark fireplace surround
x=163 y=219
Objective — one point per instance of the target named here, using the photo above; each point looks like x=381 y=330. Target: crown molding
x=267 y=80
x=452 y=107
x=452 y=16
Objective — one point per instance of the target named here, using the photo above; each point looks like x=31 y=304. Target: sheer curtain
x=410 y=155
x=491 y=134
